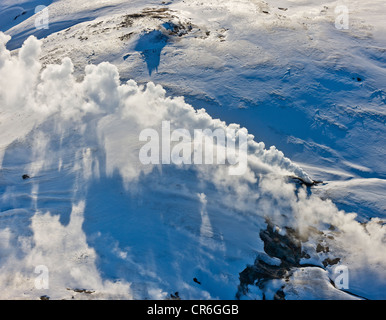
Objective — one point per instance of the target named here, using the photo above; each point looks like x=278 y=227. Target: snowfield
x=78 y=205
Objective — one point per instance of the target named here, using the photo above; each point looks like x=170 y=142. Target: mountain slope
x=280 y=69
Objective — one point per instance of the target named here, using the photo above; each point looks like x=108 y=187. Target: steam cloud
x=78 y=138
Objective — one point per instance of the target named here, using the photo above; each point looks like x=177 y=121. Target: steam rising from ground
x=76 y=139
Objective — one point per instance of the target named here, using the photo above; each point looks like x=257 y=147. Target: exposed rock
x=320 y=248
x=306 y=183
x=330 y=262
x=126 y=36
x=82 y=290
x=175 y=296
x=287 y=248
x=279 y=295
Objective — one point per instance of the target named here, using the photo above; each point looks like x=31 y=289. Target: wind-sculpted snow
x=100 y=220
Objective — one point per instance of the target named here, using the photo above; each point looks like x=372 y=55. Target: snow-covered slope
x=262 y=60
x=102 y=221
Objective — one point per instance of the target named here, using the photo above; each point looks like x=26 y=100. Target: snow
x=313 y=284
x=102 y=221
